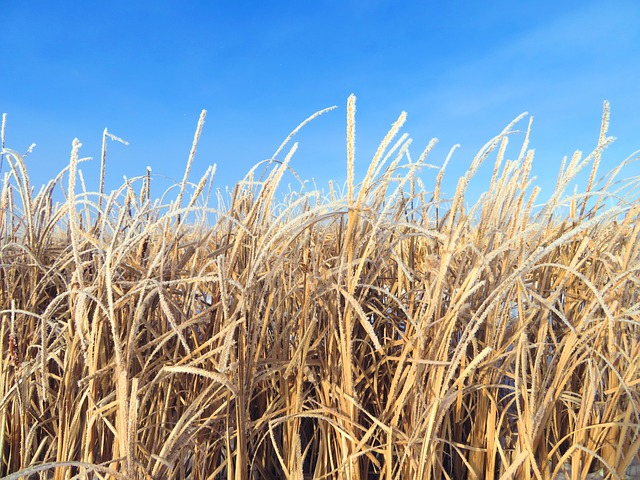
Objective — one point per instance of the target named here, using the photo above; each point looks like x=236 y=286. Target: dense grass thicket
x=384 y=332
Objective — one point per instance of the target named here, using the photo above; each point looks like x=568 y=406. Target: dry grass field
x=383 y=332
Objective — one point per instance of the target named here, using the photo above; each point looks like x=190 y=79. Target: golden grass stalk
x=389 y=332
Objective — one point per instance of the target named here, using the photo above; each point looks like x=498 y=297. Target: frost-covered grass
x=383 y=333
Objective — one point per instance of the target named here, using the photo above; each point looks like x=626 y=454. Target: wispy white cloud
x=591 y=29
x=560 y=60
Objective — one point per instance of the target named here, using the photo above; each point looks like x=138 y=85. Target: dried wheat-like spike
x=379 y=332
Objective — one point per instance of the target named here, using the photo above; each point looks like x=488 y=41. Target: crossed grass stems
x=380 y=333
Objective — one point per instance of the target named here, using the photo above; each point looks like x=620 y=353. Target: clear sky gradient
x=461 y=69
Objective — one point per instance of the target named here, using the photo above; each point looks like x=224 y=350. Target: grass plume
x=384 y=334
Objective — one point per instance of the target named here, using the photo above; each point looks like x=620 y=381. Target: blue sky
x=461 y=69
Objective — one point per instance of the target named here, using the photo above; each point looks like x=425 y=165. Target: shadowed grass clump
x=384 y=334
